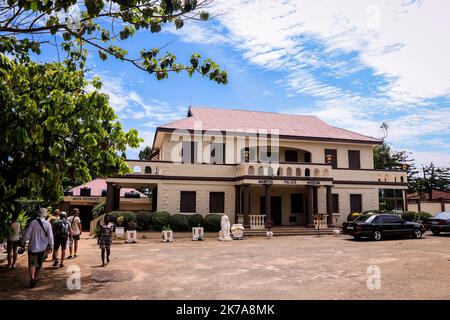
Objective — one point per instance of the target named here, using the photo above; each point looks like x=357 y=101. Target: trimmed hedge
x=195 y=220
x=160 y=220
x=128 y=216
x=144 y=220
x=179 y=222
x=211 y=222
x=416 y=216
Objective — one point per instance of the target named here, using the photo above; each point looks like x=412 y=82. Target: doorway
x=275 y=208
x=85 y=216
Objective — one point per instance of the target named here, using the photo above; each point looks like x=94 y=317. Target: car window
x=393 y=219
x=443 y=215
x=366 y=218
x=379 y=219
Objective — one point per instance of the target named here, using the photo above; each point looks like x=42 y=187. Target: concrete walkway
x=304 y=267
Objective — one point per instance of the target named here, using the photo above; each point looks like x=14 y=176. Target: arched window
x=251 y=170
x=326 y=173
x=402 y=179
x=270 y=171
x=289 y=172
x=148 y=170
x=316 y=172
x=298 y=172
x=280 y=172
x=307 y=173
x=260 y=171
x=137 y=169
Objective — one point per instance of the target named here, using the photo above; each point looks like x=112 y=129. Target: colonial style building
x=255 y=165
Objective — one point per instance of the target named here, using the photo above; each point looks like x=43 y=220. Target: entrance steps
x=288 y=231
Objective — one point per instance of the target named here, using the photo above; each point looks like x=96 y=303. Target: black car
x=379 y=226
x=439 y=223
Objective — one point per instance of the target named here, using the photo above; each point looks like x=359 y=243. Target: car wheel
x=377 y=235
x=357 y=237
x=435 y=232
x=417 y=234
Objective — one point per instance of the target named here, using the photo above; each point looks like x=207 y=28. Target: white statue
x=224 y=234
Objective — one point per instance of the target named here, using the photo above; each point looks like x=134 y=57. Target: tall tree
x=52 y=128
x=101 y=25
x=145 y=153
x=386 y=158
x=433 y=178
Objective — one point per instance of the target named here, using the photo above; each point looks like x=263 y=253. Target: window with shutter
x=217 y=202
x=355 y=203
x=335 y=203
x=188 y=201
x=354 y=161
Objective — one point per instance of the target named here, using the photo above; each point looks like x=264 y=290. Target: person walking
x=75 y=233
x=105 y=239
x=40 y=235
x=52 y=219
x=13 y=242
x=61 y=230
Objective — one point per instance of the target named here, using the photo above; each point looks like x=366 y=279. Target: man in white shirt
x=40 y=235
x=75 y=233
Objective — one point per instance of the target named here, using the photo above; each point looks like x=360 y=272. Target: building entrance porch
x=292 y=205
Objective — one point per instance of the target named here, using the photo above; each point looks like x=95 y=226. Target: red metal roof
x=97 y=186
x=243 y=120
x=436 y=194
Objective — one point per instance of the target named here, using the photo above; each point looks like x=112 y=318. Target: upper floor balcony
x=294 y=171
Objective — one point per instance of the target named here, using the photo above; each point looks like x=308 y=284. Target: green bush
x=113 y=215
x=160 y=220
x=195 y=220
x=144 y=220
x=98 y=210
x=415 y=216
x=179 y=222
x=211 y=222
x=128 y=217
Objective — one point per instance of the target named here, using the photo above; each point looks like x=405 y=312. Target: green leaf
x=179 y=23
x=204 y=15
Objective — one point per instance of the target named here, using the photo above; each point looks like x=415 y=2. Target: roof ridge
x=257 y=111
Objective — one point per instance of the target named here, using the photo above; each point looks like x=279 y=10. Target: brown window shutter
x=188 y=201
x=217 y=202
x=335 y=203
x=354 y=160
x=355 y=203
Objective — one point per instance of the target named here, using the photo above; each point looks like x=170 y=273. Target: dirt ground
x=303 y=267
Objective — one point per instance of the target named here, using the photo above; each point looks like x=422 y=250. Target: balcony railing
x=284 y=169
x=262 y=170
x=257 y=221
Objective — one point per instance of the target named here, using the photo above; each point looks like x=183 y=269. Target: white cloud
x=405 y=41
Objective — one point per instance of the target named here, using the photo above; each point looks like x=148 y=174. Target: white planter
x=269 y=234
x=131 y=236
x=120 y=232
x=167 y=236
x=197 y=233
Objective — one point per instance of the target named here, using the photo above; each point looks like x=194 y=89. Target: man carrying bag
x=40 y=236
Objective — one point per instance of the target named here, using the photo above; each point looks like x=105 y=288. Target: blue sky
x=354 y=64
